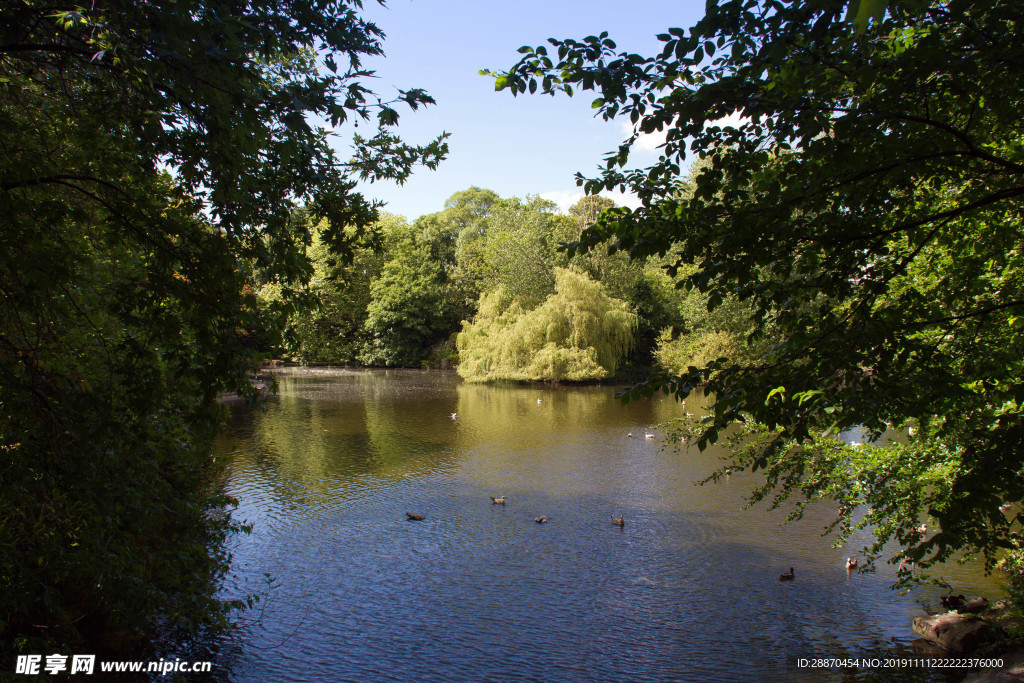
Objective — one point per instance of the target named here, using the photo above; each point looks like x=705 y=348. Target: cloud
x=650 y=142
x=646 y=141
x=563 y=198
x=734 y=119
x=566 y=198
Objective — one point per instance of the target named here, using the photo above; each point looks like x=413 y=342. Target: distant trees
x=414 y=303
x=402 y=303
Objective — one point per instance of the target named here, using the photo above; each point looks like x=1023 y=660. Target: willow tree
x=577 y=334
x=864 y=194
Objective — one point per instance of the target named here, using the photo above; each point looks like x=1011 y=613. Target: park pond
x=687 y=589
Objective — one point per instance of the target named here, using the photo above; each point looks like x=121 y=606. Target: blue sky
x=514 y=146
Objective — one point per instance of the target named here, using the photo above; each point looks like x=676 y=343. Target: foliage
x=589 y=208
x=697 y=349
x=705 y=334
x=1012 y=567
x=332 y=330
x=579 y=333
x=150 y=161
x=864 y=198
x=412 y=306
x=521 y=247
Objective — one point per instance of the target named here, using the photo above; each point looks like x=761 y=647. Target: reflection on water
x=687 y=590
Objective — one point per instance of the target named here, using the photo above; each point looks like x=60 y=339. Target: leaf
x=773 y=392
x=861 y=12
x=806 y=396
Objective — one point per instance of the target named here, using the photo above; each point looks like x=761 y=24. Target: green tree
x=589 y=208
x=865 y=198
x=521 y=247
x=578 y=333
x=151 y=156
x=412 y=306
x=331 y=330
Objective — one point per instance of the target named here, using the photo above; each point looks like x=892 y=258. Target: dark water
x=688 y=590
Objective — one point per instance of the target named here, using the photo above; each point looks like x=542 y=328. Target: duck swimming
x=788 y=576
x=497 y=501
x=415 y=516
x=619 y=521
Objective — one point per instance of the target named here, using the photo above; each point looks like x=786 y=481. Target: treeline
x=486 y=285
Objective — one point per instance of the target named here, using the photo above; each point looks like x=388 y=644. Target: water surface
x=688 y=589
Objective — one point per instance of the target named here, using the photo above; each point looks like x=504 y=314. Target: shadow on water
x=688 y=589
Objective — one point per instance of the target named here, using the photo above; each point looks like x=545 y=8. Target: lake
x=687 y=589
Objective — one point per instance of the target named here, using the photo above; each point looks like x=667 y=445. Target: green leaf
x=777 y=390
x=861 y=12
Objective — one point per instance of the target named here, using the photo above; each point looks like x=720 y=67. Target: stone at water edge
x=958 y=632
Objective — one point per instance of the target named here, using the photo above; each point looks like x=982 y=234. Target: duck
x=851 y=563
x=619 y=521
x=541 y=520
x=952 y=602
x=788 y=576
x=648 y=435
x=497 y=501
x=630 y=435
x=414 y=516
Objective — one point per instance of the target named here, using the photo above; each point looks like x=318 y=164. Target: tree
x=412 y=306
x=331 y=331
x=578 y=333
x=151 y=158
x=589 y=208
x=863 y=195
x=521 y=247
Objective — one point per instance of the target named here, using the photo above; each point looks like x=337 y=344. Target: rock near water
x=957 y=632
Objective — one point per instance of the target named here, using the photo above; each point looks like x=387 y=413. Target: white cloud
x=645 y=141
x=734 y=119
x=566 y=198
x=625 y=199
x=651 y=142
x=563 y=198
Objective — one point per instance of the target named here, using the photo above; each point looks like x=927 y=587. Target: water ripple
x=687 y=590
